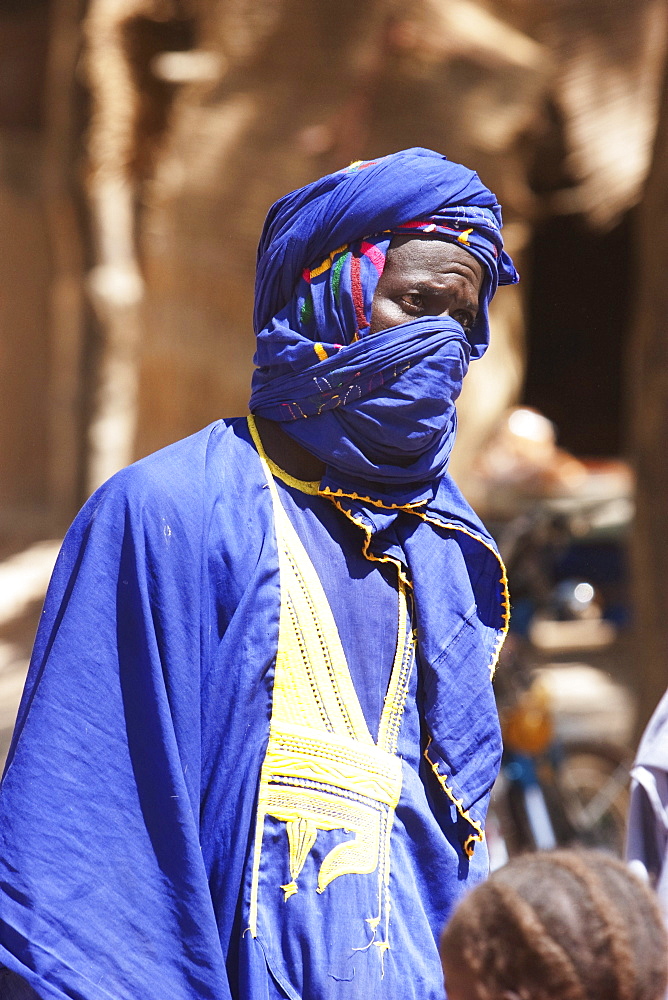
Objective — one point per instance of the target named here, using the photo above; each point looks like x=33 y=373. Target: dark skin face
x=423 y=276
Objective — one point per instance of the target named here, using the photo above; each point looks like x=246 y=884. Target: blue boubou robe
x=187 y=815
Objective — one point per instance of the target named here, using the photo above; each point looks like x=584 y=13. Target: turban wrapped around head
x=379 y=408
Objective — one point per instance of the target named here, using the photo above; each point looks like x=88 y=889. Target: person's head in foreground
x=561 y=925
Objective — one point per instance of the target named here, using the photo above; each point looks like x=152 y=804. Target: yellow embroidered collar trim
x=298 y=484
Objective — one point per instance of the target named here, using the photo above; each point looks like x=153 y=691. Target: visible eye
x=464 y=318
x=412 y=303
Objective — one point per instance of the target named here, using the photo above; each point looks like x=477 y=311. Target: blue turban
x=378 y=408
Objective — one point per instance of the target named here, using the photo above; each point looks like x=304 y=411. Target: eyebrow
x=428 y=288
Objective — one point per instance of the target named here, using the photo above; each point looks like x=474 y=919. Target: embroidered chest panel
x=323 y=771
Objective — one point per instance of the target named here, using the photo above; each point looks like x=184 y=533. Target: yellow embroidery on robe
x=322 y=770
x=302 y=834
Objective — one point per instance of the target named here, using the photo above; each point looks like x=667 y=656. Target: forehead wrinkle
x=476 y=274
x=430 y=287
x=414 y=247
x=441 y=277
x=426 y=281
x=411 y=269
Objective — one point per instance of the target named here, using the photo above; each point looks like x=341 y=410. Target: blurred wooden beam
x=129 y=113
x=63 y=223
x=648 y=371
x=114 y=284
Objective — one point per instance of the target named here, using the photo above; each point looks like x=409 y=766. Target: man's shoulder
x=171 y=502
x=184 y=474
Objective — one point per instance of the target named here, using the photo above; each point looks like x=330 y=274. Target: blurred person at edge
x=558 y=925
x=647 y=832
x=258 y=735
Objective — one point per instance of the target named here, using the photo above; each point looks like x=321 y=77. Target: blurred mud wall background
x=142 y=141
x=41 y=268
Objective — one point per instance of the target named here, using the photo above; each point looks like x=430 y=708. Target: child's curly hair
x=572 y=925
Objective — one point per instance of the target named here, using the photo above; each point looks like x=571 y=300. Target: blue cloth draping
x=127 y=807
x=399 y=432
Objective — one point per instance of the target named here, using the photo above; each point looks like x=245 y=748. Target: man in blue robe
x=258 y=734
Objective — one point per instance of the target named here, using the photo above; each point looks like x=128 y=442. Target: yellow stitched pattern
x=322 y=770
x=326 y=492
x=397 y=691
x=302 y=835
x=479 y=834
x=327 y=262
x=298 y=752
x=505 y=616
x=310 y=653
x=367 y=541
x=320 y=351
x=412 y=508
x=322 y=810
x=299 y=484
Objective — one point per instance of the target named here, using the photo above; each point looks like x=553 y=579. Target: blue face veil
x=379 y=408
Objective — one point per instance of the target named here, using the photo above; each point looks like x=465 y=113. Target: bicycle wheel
x=593 y=782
